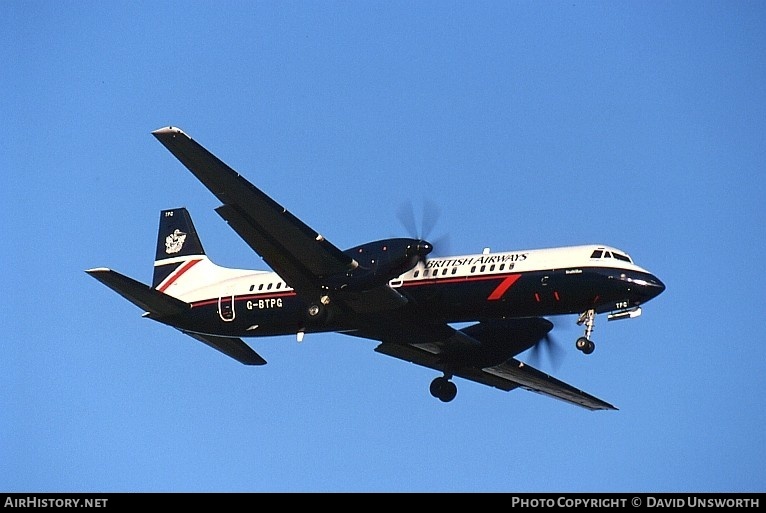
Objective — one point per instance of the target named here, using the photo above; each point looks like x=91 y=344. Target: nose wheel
x=443 y=389
x=584 y=343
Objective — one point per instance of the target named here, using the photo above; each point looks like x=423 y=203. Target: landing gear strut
x=443 y=389
x=584 y=343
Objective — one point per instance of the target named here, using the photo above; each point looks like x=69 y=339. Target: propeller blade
x=441 y=245
x=547 y=349
x=429 y=219
x=406 y=215
x=424 y=229
x=431 y=214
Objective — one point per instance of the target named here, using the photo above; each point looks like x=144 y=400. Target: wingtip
x=97 y=270
x=168 y=130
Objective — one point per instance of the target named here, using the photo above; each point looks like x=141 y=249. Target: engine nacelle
x=379 y=262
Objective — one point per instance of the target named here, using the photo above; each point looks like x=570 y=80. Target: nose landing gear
x=584 y=343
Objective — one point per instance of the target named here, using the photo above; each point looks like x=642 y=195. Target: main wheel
x=317 y=313
x=449 y=392
x=443 y=389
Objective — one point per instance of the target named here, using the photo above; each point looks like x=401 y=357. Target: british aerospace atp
x=389 y=291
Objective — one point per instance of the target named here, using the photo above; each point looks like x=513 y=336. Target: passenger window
x=491 y=267
x=481 y=269
x=473 y=269
x=260 y=287
x=269 y=286
x=444 y=271
x=279 y=285
x=417 y=273
x=252 y=287
x=502 y=266
x=454 y=270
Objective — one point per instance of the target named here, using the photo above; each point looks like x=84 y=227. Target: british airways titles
x=478 y=260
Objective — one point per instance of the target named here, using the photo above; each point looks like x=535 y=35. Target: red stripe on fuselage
x=266 y=295
x=188 y=265
x=503 y=287
x=444 y=281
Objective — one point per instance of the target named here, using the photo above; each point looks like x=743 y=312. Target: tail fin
x=178 y=247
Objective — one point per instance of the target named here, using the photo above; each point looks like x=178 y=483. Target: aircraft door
x=226 y=305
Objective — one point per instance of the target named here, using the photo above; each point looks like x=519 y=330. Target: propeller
x=422 y=231
x=548 y=347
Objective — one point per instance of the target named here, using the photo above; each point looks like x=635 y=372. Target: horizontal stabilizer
x=233 y=347
x=157 y=303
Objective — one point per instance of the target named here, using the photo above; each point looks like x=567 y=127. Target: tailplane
x=180 y=265
x=159 y=306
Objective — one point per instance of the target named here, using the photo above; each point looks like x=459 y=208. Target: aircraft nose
x=645 y=284
x=653 y=285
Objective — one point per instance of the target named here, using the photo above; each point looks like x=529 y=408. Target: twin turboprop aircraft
x=388 y=291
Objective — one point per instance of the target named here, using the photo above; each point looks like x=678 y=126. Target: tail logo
x=174 y=242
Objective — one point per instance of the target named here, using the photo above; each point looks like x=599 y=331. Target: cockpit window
x=602 y=253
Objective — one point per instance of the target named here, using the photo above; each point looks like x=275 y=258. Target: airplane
x=391 y=291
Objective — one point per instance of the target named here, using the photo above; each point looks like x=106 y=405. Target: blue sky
x=531 y=124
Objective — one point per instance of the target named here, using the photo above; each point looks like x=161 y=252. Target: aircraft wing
x=534 y=380
x=442 y=348
x=300 y=255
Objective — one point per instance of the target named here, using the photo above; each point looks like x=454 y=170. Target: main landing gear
x=318 y=312
x=443 y=389
x=584 y=343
